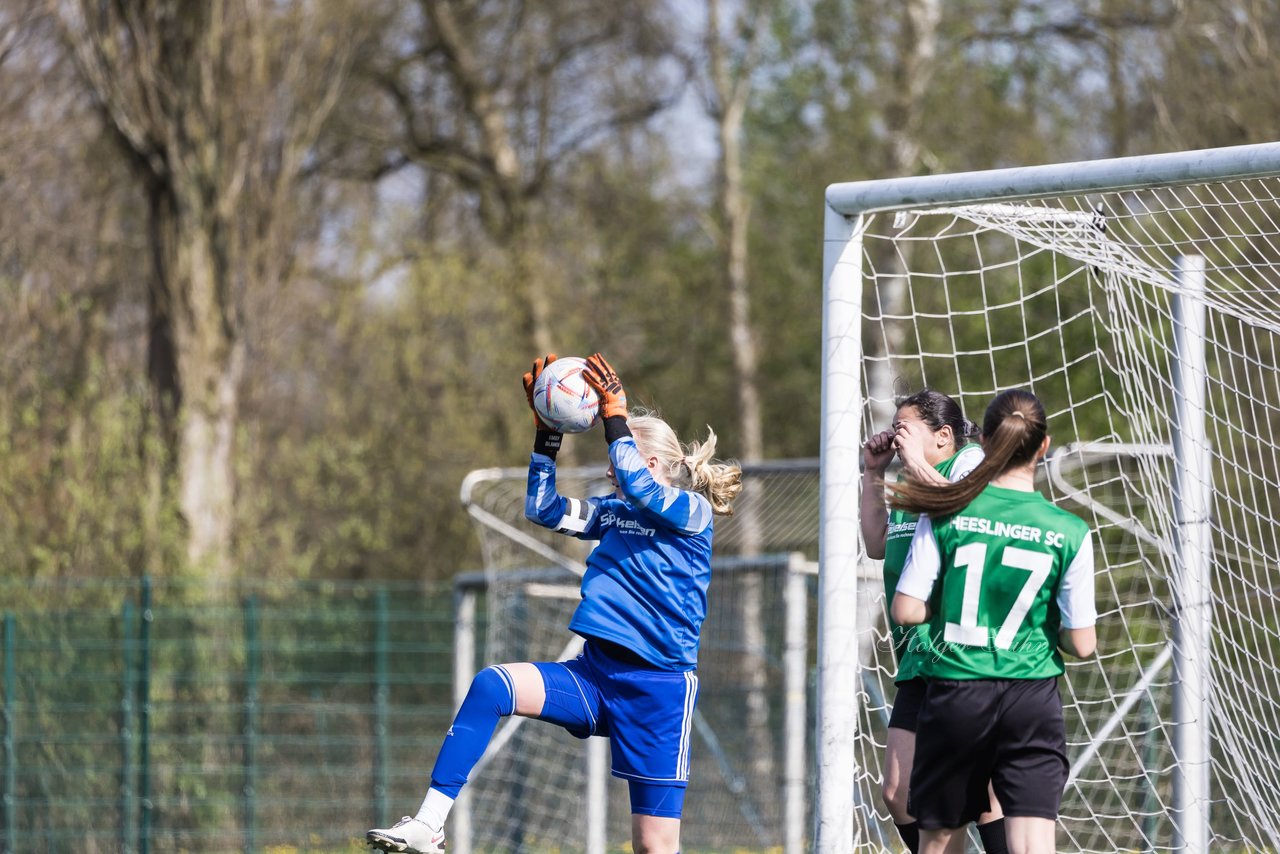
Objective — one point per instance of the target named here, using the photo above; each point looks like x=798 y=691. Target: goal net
x=1140 y=300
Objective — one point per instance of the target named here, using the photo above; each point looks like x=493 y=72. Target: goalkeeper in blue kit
x=644 y=598
x=1004 y=580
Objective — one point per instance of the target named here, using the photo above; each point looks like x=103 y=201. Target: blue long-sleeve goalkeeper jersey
x=645 y=587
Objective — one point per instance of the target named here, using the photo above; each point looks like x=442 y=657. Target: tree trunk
x=196 y=362
x=503 y=203
x=213 y=106
x=917 y=59
x=731 y=93
x=735 y=213
x=211 y=355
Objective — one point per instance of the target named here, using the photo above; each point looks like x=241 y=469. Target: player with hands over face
x=1003 y=579
x=930 y=437
x=644 y=598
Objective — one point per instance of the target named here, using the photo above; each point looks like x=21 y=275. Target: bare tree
x=13 y=22
x=1092 y=38
x=215 y=105
x=916 y=61
x=729 y=91
x=1098 y=63
x=1216 y=81
x=732 y=54
x=499 y=96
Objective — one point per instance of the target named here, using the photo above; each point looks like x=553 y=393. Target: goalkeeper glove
x=601 y=376
x=547 y=440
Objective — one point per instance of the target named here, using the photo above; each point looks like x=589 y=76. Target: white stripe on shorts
x=686 y=725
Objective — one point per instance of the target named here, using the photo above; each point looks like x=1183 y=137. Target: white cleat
x=407 y=836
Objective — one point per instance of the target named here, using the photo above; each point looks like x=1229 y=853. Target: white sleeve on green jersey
x=970 y=457
x=1075 y=591
x=924 y=563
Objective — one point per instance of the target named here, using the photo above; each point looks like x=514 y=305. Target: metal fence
x=285 y=717
x=146 y=716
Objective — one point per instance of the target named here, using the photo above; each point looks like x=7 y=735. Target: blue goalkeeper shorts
x=646 y=713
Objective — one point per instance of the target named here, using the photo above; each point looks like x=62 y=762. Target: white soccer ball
x=563 y=399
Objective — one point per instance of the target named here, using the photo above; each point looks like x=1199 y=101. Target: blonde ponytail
x=692 y=467
x=719 y=482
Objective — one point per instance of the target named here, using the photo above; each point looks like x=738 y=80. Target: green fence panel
x=174 y=716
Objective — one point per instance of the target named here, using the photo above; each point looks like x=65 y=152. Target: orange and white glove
x=547 y=440
x=601 y=376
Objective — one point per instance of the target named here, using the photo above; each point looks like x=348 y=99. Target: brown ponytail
x=1014 y=428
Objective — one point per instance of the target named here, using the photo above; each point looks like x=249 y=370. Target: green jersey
x=911 y=643
x=1013 y=570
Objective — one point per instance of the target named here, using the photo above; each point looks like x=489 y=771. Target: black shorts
x=907 y=703
x=1007 y=731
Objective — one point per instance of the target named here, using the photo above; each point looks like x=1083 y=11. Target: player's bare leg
x=991 y=826
x=654 y=834
x=899 y=753
x=531 y=692
x=1030 y=835
x=947 y=841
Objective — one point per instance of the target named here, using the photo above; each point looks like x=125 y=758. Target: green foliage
x=384 y=354
x=370 y=425
x=78 y=484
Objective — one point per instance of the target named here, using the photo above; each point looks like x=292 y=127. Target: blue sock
x=491 y=697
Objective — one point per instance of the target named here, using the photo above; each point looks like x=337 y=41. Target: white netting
x=1075 y=299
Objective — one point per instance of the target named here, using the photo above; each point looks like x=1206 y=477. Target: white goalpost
x=1139 y=297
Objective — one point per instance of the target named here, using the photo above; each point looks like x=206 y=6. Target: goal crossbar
x=1029 y=182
